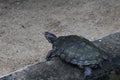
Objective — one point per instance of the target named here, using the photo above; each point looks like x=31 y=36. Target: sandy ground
x=23 y=22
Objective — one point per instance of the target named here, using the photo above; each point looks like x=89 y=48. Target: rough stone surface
x=59 y=70
x=110 y=44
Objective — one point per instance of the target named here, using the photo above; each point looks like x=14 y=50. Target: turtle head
x=50 y=37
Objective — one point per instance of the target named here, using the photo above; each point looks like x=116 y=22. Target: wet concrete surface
x=23 y=22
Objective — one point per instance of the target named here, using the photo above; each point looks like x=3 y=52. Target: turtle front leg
x=49 y=55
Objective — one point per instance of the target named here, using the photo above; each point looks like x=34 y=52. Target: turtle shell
x=78 y=50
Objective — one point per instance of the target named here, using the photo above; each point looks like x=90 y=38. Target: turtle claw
x=47 y=59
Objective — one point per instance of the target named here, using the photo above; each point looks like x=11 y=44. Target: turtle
x=76 y=50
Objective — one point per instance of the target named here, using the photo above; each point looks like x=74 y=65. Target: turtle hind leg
x=87 y=73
